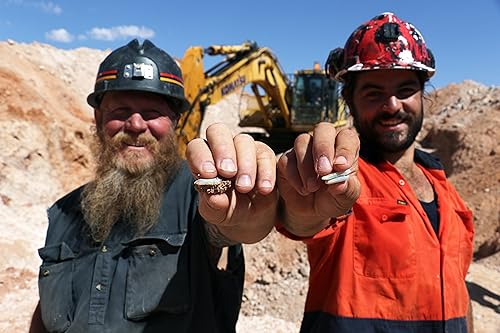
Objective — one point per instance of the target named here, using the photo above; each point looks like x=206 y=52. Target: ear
x=98 y=117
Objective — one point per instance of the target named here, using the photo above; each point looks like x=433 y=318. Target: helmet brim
x=181 y=105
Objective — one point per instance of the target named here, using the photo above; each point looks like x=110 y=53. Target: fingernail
x=208 y=167
x=340 y=160
x=244 y=180
x=324 y=164
x=227 y=165
x=266 y=184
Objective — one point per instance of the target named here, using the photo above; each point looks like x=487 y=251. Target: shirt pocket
x=157 y=277
x=384 y=244
x=466 y=239
x=55 y=286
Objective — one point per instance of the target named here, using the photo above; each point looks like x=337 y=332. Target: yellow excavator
x=284 y=107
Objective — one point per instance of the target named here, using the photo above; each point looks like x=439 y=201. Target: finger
x=266 y=168
x=214 y=208
x=289 y=178
x=200 y=160
x=344 y=194
x=346 y=149
x=305 y=163
x=246 y=162
x=324 y=148
x=220 y=141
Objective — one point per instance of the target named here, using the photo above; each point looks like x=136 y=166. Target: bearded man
x=396 y=260
x=136 y=249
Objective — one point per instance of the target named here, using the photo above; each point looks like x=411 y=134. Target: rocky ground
x=45 y=127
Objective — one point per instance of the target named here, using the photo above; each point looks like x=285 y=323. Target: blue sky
x=463 y=35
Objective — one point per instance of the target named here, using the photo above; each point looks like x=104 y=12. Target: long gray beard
x=123 y=191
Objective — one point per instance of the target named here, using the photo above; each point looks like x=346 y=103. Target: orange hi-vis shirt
x=383 y=268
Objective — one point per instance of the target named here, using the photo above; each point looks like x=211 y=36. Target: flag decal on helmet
x=170 y=78
x=107 y=75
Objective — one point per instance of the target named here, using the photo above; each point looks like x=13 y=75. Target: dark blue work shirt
x=163 y=281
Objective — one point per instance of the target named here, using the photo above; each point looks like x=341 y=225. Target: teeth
x=134 y=144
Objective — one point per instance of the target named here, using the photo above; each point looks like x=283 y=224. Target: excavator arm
x=244 y=64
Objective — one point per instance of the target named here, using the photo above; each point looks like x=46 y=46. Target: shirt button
x=152 y=253
x=384 y=217
x=46 y=272
x=402 y=182
x=104 y=249
x=99 y=286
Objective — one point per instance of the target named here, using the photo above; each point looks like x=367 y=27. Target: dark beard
x=127 y=190
x=393 y=142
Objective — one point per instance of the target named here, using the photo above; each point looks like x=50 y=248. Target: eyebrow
x=371 y=85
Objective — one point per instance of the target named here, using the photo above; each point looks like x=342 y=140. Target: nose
x=135 y=123
x=392 y=105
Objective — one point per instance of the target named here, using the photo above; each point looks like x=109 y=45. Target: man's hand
x=308 y=203
x=246 y=212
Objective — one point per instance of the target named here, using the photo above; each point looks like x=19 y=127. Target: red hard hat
x=384 y=42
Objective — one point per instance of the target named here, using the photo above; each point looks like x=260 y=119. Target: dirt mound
x=46 y=126
x=462 y=128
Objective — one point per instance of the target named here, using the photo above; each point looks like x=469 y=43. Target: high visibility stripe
x=320 y=322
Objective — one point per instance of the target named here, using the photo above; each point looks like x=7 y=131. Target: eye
x=151 y=114
x=118 y=113
x=407 y=91
x=373 y=95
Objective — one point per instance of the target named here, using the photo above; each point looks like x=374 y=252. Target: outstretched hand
x=246 y=212
x=308 y=203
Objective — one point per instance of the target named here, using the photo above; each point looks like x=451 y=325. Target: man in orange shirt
x=396 y=261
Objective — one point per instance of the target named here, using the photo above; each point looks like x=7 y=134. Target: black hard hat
x=142 y=68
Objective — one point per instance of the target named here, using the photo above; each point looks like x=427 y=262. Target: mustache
x=400 y=115
x=143 y=139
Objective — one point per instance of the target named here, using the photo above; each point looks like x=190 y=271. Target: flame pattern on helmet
x=384 y=42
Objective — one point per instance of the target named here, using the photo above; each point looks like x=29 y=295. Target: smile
x=391 y=122
x=134 y=144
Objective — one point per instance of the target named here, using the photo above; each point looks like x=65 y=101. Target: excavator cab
x=314 y=98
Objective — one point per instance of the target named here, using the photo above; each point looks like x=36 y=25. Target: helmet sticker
x=138 y=71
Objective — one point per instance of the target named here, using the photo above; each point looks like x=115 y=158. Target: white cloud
x=120 y=32
x=50 y=7
x=59 y=35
